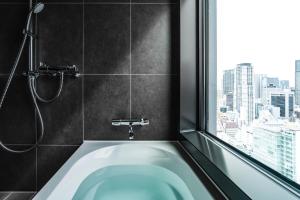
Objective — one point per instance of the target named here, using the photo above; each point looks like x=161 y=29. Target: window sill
x=237 y=176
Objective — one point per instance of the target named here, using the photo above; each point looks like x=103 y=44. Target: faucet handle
x=128 y=122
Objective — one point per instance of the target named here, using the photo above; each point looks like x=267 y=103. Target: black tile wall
x=11 y=35
x=50 y=159
x=127 y=52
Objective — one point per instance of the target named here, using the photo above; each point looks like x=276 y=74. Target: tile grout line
x=130 y=59
x=83 y=69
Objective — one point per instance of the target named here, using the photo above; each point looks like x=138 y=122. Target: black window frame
x=200 y=129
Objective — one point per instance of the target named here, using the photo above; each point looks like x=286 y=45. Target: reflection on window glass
x=258 y=80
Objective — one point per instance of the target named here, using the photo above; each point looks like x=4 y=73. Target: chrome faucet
x=130 y=123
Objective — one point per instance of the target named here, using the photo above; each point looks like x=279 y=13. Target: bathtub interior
x=128 y=182
x=95 y=158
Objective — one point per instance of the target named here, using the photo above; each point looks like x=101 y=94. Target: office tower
x=228 y=81
x=243 y=92
x=285 y=101
x=297 y=82
x=228 y=87
x=284 y=84
x=258 y=85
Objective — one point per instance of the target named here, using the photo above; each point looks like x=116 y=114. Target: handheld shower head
x=38 y=8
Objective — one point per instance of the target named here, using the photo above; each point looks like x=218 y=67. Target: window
x=254 y=80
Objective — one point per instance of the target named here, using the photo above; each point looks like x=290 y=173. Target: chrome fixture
x=130 y=123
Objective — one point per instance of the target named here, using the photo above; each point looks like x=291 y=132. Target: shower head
x=38 y=8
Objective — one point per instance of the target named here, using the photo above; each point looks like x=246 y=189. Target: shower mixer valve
x=44 y=69
x=130 y=123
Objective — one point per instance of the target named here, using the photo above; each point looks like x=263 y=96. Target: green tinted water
x=133 y=182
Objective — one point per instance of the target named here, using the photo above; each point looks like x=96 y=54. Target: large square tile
x=106 y=98
x=17 y=171
x=155 y=39
x=49 y=160
x=17 y=115
x=60 y=39
x=107 y=39
x=63 y=117
x=11 y=36
x=156 y=98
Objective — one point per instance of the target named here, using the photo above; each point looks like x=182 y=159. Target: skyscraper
x=228 y=87
x=297 y=82
x=228 y=81
x=243 y=92
x=285 y=101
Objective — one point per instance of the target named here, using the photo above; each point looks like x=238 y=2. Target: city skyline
x=247 y=37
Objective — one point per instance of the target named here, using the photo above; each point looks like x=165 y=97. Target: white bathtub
x=103 y=168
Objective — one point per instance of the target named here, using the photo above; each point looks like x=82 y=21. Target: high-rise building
x=243 y=97
x=258 y=85
x=297 y=82
x=228 y=87
x=282 y=98
x=278 y=146
x=270 y=82
x=228 y=81
x=285 y=101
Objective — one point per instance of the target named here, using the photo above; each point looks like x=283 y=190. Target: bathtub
x=125 y=171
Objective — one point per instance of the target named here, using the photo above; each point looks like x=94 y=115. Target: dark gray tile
x=155 y=1
x=155 y=41
x=21 y=196
x=17 y=115
x=63 y=1
x=3 y=195
x=11 y=36
x=49 y=160
x=106 y=98
x=107 y=1
x=107 y=39
x=60 y=32
x=156 y=98
x=14 y=1
x=63 y=117
x=17 y=173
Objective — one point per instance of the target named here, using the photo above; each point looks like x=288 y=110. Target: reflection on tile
x=106 y=98
x=63 y=117
x=156 y=98
x=107 y=39
x=155 y=39
x=61 y=35
x=21 y=196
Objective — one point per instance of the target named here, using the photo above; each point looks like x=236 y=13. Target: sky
x=265 y=33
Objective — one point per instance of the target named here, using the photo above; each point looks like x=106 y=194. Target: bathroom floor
x=16 y=195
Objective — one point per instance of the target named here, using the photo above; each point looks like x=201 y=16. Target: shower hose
x=34 y=95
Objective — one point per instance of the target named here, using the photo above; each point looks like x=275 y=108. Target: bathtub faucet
x=130 y=123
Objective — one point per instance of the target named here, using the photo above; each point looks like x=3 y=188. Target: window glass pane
x=256 y=80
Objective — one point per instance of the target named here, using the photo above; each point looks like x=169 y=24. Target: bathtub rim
x=87 y=147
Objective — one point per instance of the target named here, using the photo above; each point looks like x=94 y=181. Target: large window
x=254 y=80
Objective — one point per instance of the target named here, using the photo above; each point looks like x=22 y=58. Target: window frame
x=193 y=139
x=209 y=62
